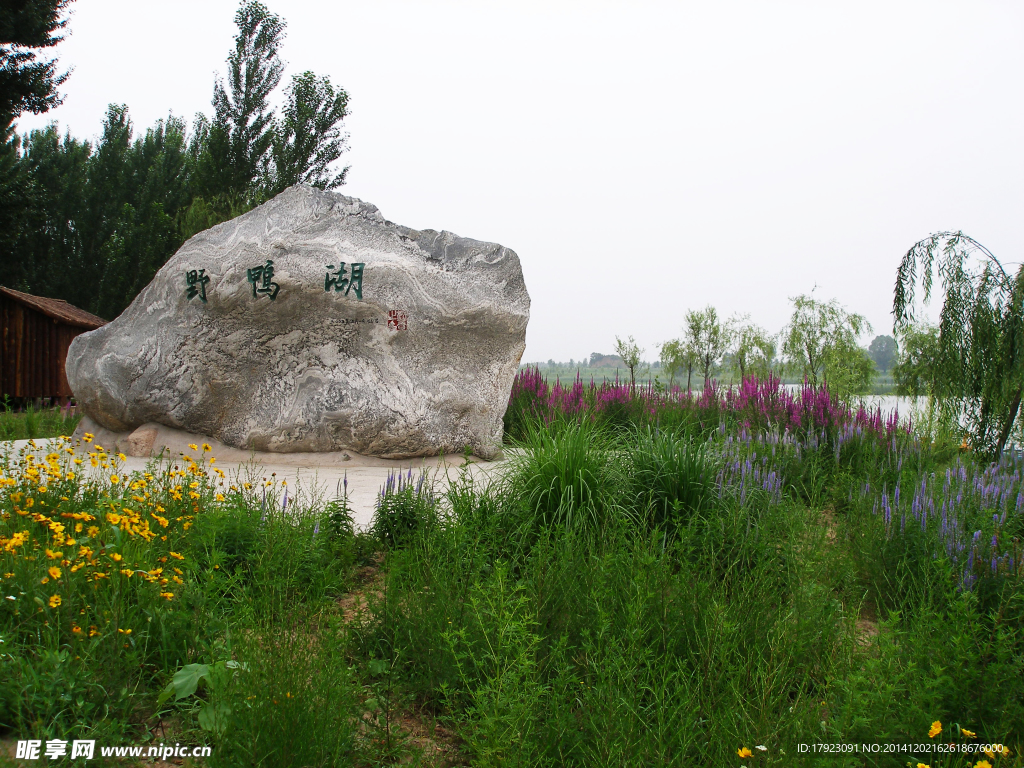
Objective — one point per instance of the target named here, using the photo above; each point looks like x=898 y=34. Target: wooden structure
x=35 y=334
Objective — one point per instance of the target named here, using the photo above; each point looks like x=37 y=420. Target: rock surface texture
x=312 y=324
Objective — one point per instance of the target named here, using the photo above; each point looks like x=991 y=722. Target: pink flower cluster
x=755 y=403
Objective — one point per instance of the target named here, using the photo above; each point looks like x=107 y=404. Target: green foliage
x=976 y=366
x=35 y=422
x=630 y=353
x=674 y=358
x=707 y=339
x=884 y=352
x=671 y=478
x=916 y=367
x=820 y=343
x=213 y=716
x=403 y=507
x=308 y=140
x=539 y=616
x=754 y=353
x=561 y=478
x=92 y=223
x=27 y=83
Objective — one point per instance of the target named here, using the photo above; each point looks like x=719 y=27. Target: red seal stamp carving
x=398 y=320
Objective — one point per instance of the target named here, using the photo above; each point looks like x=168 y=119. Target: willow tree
x=979 y=362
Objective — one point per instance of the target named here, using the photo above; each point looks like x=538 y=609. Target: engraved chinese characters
x=261 y=278
x=342 y=283
x=195 y=284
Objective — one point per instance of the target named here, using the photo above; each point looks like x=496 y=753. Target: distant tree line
x=91 y=223
x=819 y=344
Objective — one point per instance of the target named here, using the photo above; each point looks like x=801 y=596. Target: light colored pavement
x=312 y=479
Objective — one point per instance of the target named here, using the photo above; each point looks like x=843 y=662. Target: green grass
x=626 y=593
x=37 y=423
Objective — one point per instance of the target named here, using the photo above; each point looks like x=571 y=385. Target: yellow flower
x=983 y=764
x=744 y=752
x=113 y=518
x=125 y=631
x=220 y=497
x=54 y=573
x=54 y=555
x=167 y=595
x=114 y=479
x=122 y=457
x=935 y=730
x=93 y=531
x=88 y=436
x=923 y=765
x=76 y=629
x=93 y=631
x=55 y=601
x=115 y=556
x=968 y=734
x=1005 y=751
x=990 y=753
x=193 y=446
x=207 y=448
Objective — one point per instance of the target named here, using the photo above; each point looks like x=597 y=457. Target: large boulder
x=313 y=324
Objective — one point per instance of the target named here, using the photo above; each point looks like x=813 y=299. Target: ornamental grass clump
x=562 y=477
x=669 y=477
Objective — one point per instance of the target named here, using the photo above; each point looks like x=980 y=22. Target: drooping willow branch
x=979 y=370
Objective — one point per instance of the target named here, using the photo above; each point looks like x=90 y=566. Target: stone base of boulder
x=154 y=440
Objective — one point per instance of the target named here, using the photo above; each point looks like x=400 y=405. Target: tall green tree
x=884 y=351
x=673 y=359
x=631 y=353
x=235 y=148
x=50 y=251
x=29 y=82
x=707 y=338
x=754 y=348
x=308 y=138
x=978 y=372
x=91 y=223
x=245 y=154
x=820 y=344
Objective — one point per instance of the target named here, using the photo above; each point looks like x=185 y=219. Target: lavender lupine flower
x=284 y=501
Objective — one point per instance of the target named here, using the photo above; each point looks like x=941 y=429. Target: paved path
x=307 y=478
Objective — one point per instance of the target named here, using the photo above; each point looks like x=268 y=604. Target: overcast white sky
x=642 y=158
